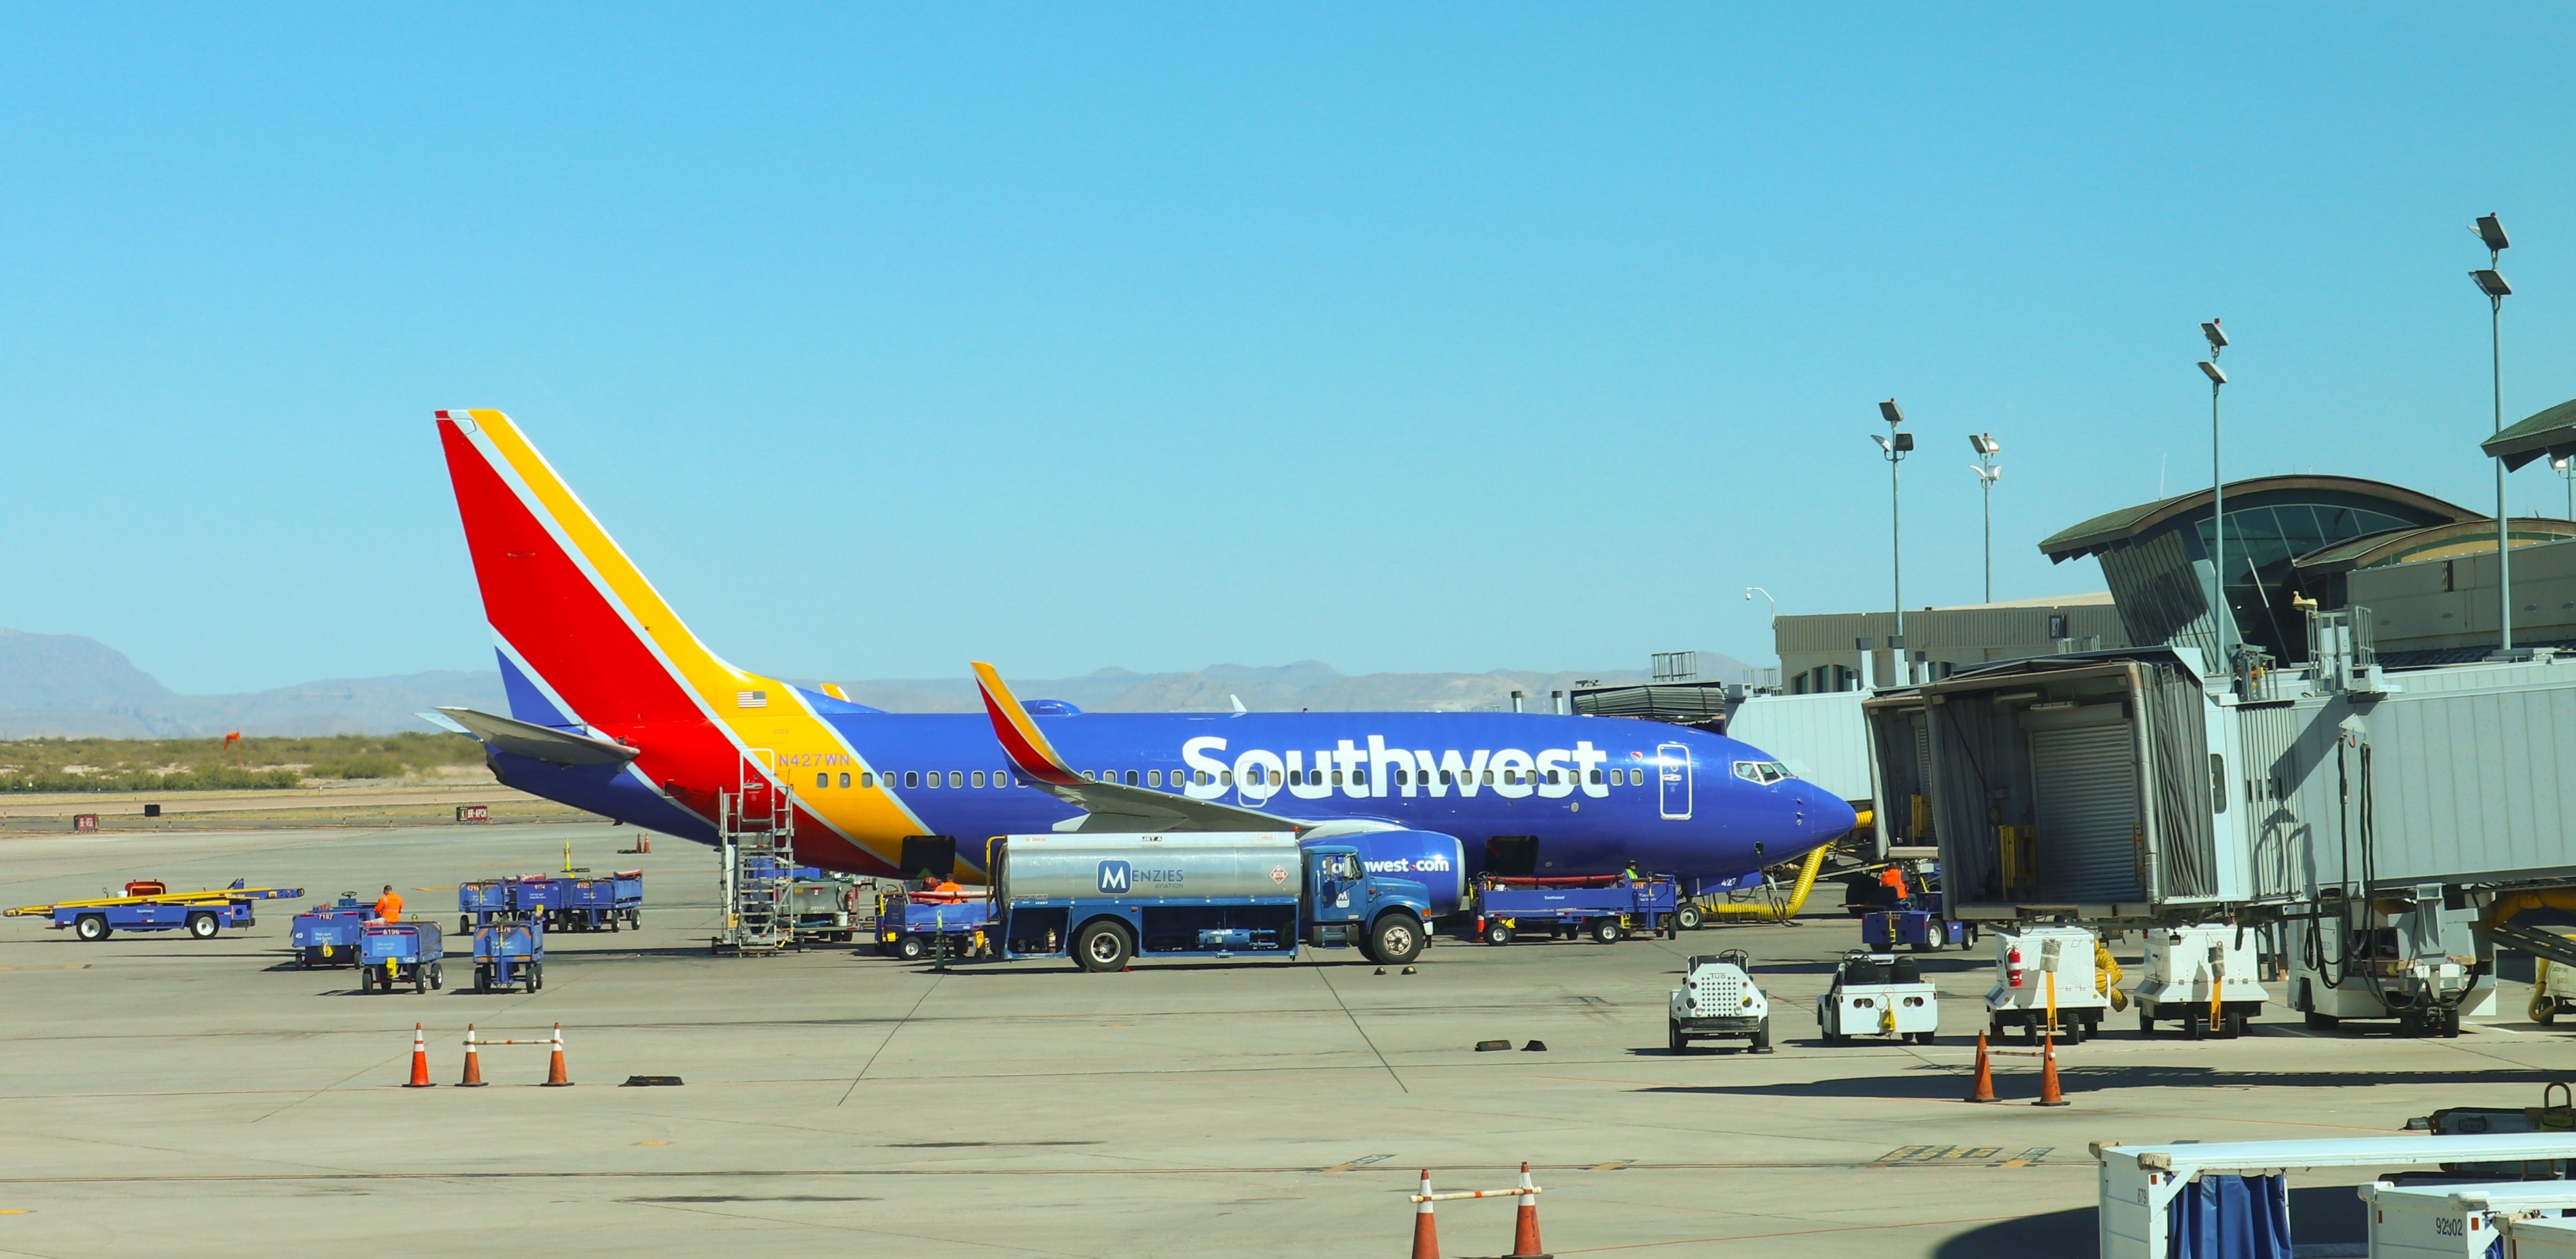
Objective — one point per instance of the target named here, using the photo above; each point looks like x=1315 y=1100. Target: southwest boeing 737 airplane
x=615 y=707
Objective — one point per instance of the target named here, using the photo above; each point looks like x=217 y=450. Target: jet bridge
x=2390 y=823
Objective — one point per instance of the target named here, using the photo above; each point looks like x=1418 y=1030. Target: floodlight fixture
x=1883 y=447
x=2491 y=232
x=2217 y=337
x=1985 y=444
x=1904 y=441
x=2491 y=283
x=2210 y=369
x=1891 y=412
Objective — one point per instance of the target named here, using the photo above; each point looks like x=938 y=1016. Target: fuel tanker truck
x=1103 y=899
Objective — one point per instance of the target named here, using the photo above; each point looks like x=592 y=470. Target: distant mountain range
x=69 y=686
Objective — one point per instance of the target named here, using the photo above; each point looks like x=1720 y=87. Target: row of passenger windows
x=914 y=779
x=917 y=779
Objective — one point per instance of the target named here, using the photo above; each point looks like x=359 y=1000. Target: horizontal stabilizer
x=543 y=743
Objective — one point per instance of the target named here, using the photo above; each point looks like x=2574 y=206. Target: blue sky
x=1401 y=337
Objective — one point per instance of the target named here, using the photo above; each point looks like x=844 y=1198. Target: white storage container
x=2455 y=1221
x=2541 y=1237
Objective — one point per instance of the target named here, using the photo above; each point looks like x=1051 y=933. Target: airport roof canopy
x=2111 y=529
x=2550 y=434
x=2396 y=546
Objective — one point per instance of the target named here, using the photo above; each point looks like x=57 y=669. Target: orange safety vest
x=389 y=907
x=1895 y=878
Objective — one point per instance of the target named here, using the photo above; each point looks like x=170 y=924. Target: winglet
x=1021 y=739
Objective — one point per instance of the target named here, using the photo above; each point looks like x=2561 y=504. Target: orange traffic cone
x=2048 y=1091
x=473 y=1063
x=1525 y=1244
x=419 y=1060
x=1426 y=1230
x=555 y=1078
x=1985 y=1086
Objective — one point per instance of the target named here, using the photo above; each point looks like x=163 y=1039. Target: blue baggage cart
x=328 y=935
x=590 y=904
x=391 y=954
x=914 y=925
x=510 y=955
x=482 y=901
x=1604 y=907
x=1916 y=923
x=538 y=896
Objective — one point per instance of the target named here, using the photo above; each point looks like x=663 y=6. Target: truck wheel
x=2322 y=1022
x=482 y=979
x=1396 y=939
x=1674 y=1039
x=437 y=973
x=201 y=926
x=2235 y=1025
x=536 y=976
x=1101 y=946
x=1761 y=1041
x=1687 y=918
x=464 y=925
x=2146 y=1025
x=909 y=948
x=419 y=980
x=91 y=927
x=1606 y=931
x=1497 y=933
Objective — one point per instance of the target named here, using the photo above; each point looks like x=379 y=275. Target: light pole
x=1987 y=474
x=2491 y=282
x=2567 y=472
x=2219 y=614
x=1750 y=591
x=1894 y=447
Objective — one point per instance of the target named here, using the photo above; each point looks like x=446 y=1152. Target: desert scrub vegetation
x=185 y=764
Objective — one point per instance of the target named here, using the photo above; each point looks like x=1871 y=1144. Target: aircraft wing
x=1112 y=806
x=544 y=743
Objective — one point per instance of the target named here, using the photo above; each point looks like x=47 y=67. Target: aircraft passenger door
x=1673 y=769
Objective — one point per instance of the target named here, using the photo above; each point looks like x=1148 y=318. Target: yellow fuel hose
x=1777 y=913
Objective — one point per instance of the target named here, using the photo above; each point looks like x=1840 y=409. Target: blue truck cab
x=1106 y=899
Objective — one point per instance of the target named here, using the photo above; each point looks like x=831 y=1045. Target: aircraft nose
x=1825 y=816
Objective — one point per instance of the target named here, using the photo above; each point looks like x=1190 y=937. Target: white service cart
x=2045 y=969
x=1878 y=994
x=1718 y=1000
x=2182 y=964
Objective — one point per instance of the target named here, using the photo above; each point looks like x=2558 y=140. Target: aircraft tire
x=1687 y=918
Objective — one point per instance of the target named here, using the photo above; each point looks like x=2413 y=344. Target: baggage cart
x=510 y=955
x=394 y=954
x=916 y=924
x=482 y=901
x=536 y=896
x=328 y=935
x=597 y=903
x=1603 y=907
x=2041 y=971
x=823 y=908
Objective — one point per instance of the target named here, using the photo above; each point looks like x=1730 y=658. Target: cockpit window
x=1764 y=772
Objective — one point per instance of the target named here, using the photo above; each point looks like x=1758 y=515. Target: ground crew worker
x=1632 y=872
x=1893 y=878
x=389 y=906
x=948 y=885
